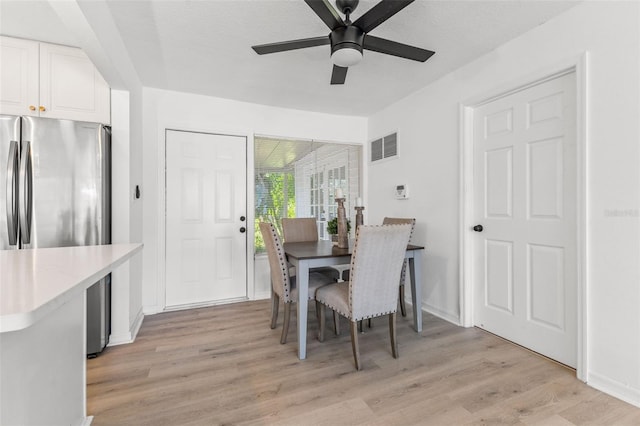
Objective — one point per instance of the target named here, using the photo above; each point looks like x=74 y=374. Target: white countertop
x=35 y=282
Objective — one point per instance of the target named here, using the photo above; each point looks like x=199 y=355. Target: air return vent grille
x=384 y=147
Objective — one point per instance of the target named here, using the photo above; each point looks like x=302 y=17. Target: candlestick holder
x=343 y=234
x=359 y=217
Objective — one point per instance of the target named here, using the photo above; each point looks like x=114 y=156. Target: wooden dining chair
x=403 y=274
x=283 y=286
x=372 y=289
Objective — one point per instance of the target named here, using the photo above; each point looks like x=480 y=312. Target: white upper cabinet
x=53 y=81
x=19 y=74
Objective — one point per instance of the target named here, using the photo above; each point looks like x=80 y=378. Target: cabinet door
x=71 y=87
x=18 y=76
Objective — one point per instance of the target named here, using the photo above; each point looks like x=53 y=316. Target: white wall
x=120 y=211
x=165 y=109
x=126 y=311
x=428 y=130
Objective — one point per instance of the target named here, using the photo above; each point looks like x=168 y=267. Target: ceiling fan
x=348 y=38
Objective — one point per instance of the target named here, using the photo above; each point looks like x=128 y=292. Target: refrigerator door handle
x=12 y=193
x=25 y=193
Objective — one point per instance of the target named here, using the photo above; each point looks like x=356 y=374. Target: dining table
x=315 y=254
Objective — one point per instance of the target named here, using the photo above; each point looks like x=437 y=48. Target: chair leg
x=318 y=312
x=285 y=326
x=392 y=335
x=403 y=308
x=354 y=344
x=336 y=323
x=275 y=302
x=321 y=315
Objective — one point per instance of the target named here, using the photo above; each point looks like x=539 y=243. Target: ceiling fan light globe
x=346 y=57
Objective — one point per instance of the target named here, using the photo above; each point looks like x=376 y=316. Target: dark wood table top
x=323 y=248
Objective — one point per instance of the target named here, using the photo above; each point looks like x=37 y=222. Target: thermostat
x=402 y=192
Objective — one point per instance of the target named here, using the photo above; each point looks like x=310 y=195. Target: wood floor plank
x=224 y=365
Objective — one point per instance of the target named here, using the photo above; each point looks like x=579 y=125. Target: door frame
x=161 y=303
x=579 y=65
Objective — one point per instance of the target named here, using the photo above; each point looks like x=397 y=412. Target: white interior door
x=525 y=200
x=205 y=214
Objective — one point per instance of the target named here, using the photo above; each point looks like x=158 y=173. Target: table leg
x=415 y=272
x=302 y=272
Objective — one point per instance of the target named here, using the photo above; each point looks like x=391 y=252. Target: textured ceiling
x=204 y=47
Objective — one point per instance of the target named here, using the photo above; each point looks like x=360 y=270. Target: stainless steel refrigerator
x=55 y=191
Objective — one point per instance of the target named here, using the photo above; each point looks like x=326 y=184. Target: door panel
x=546 y=285
x=525 y=198
x=499 y=275
x=545 y=179
x=18 y=76
x=499 y=182
x=206 y=196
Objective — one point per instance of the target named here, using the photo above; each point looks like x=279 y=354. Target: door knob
x=478 y=228
x=242 y=218
x=243 y=230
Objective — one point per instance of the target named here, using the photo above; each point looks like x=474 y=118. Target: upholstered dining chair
x=299 y=229
x=403 y=274
x=372 y=289
x=283 y=286
x=302 y=230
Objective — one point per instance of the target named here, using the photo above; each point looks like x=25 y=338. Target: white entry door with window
x=206 y=239
x=525 y=212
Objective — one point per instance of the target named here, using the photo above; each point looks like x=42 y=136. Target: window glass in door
x=297 y=178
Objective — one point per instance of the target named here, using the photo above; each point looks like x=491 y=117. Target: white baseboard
x=262 y=295
x=120 y=339
x=86 y=421
x=447 y=316
x=130 y=336
x=137 y=323
x=152 y=310
x=614 y=388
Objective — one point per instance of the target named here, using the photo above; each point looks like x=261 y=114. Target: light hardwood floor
x=224 y=365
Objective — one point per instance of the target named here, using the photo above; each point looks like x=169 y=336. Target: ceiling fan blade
x=339 y=75
x=389 y=47
x=380 y=13
x=291 y=45
x=326 y=12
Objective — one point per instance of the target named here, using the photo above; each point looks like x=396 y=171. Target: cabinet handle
x=42 y=109
x=32 y=108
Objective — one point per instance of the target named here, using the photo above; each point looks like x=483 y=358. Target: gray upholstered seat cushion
x=336 y=297
x=316 y=280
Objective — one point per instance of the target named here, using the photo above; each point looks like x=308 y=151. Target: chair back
x=280 y=280
x=378 y=256
x=299 y=229
x=398 y=221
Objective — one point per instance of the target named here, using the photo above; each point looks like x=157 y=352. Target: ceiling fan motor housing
x=348 y=37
